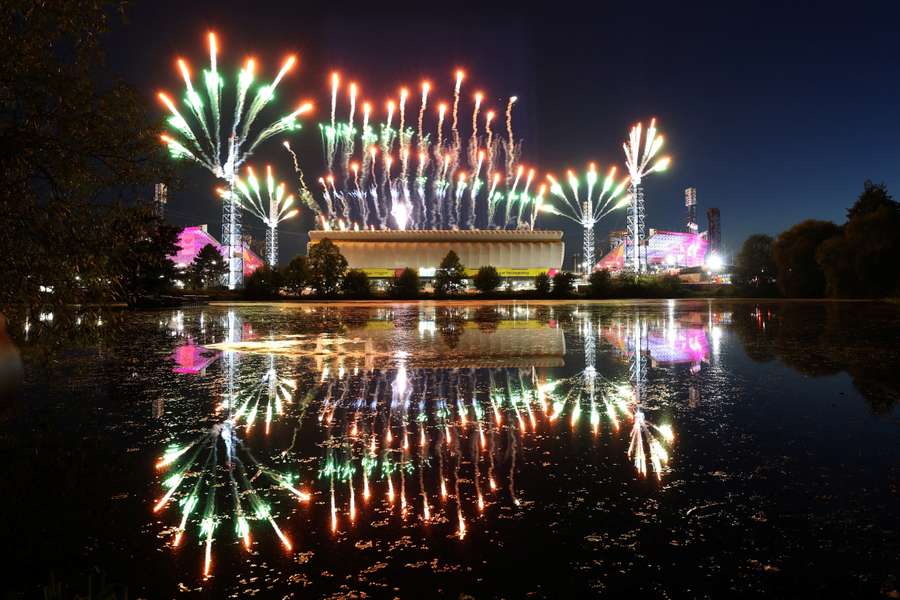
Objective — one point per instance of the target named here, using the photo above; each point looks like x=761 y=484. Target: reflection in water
x=425 y=420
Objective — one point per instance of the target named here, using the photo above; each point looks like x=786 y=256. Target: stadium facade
x=383 y=254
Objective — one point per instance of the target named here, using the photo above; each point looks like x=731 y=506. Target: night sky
x=775 y=112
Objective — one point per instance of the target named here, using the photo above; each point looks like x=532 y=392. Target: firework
x=223 y=145
x=587 y=209
x=640 y=162
x=271 y=205
x=415 y=177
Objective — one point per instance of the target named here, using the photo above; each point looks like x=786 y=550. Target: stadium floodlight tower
x=589 y=209
x=271 y=210
x=638 y=160
x=221 y=146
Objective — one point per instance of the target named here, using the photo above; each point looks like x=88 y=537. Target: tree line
x=815 y=259
x=325 y=273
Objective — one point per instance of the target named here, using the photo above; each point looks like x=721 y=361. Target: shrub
x=264 y=283
x=563 y=284
x=405 y=286
x=487 y=280
x=600 y=284
x=356 y=285
x=542 y=284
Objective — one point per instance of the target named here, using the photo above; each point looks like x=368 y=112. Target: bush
x=563 y=284
x=405 y=286
x=600 y=284
x=449 y=277
x=487 y=280
x=647 y=286
x=542 y=284
x=356 y=285
x=263 y=284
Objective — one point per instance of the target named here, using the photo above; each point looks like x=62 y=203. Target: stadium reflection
x=423 y=420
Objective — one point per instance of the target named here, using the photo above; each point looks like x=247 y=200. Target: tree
x=563 y=284
x=327 y=267
x=143 y=266
x=542 y=284
x=208 y=269
x=264 y=283
x=70 y=137
x=864 y=260
x=798 y=273
x=755 y=265
x=297 y=275
x=600 y=284
x=449 y=277
x=487 y=280
x=356 y=285
x=405 y=286
x=873 y=197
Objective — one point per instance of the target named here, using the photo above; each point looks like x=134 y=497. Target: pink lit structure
x=193 y=359
x=192 y=239
x=673 y=249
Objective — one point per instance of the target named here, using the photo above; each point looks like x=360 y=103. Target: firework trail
x=200 y=137
x=511 y=142
x=374 y=185
x=473 y=140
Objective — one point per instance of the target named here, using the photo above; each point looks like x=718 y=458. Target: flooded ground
x=676 y=449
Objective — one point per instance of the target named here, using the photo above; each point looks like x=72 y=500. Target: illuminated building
x=192 y=239
x=664 y=249
x=514 y=253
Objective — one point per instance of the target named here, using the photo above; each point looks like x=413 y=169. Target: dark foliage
x=207 y=270
x=297 y=275
x=327 y=267
x=864 y=260
x=798 y=273
x=77 y=154
x=405 y=286
x=263 y=284
x=542 y=285
x=874 y=197
x=600 y=284
x=356 y=285
x=755 y=266
x=563 y=284
x=448 y=280
x=487 y=280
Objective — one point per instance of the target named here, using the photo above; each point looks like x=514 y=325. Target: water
x=687 y=449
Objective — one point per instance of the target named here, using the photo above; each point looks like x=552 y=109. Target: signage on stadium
x=382 y=273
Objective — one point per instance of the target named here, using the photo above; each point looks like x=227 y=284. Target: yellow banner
x=381 y=273
x=504 y=272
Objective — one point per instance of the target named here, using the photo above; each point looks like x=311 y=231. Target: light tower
x=160 y=199
x=271 y=209
x=591 y=209
x=221 y=145
x=637 y=160
x=690 y=203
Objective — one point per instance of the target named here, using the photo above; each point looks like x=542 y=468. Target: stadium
x=516 y=254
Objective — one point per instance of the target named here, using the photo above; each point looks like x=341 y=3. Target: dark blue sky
x=775 y=112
